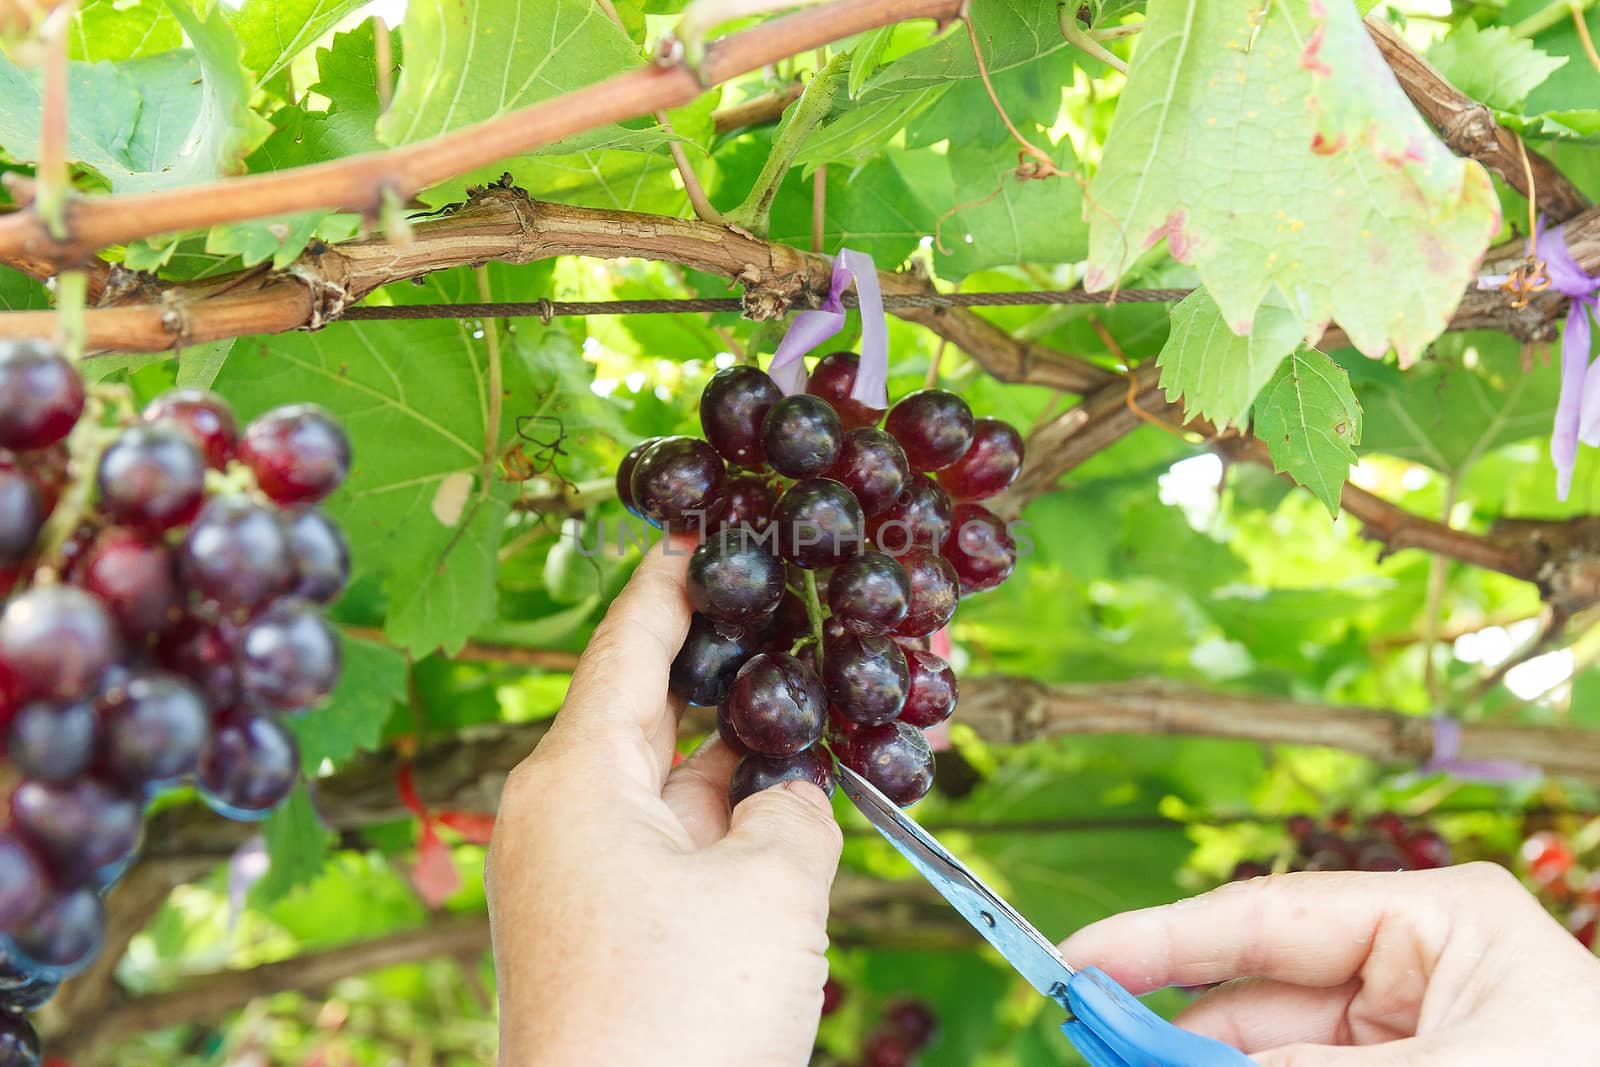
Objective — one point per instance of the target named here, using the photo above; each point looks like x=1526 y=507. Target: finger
x=791 y=826
x=697 y=791
x=617 y=709
x=1316 y=929
x=1253 y=1014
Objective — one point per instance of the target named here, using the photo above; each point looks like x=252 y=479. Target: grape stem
x=814 y=613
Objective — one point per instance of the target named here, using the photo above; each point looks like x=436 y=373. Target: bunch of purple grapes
x=160 y=621
x=1387 y=841
x=907 y=1027
x=792 y=494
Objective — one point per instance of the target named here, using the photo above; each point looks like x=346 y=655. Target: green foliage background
x=1151 y=560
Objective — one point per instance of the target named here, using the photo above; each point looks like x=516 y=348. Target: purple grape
x=776 y=705
x=22 y=515
x=204 y=417
x=681 y=484
x=819 y=523
x=249 y=768
x=913 y=1020
x=866 y=677
x=299 y=454
x=23 y=888
x=872 y=465
x=935 y=591
x=151 y=478
x=321 y=557
x=756 y=773
x=729 y=735
x=136 y=577
x=991 y=464
x=205 y=654
x=236 y=555
x=711 y=655
x=41 y=395
x=894 y=757
x=734 y=577
x=750 y=503
x=869 y=594
x=63 y=938
x=732 y=407
x=934 y=427
x=289 y=657
x=834 y=379
x=56 y=642
x=980 y=548
x=76 y=828
x=919 y=518
x=155 y=728
x=625 y=475
x=931 y=698
x=802 y=436
x=53 y=743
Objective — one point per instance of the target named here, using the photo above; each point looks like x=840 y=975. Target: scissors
x=1107 y=1024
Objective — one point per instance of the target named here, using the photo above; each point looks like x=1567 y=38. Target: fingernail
x=809 y=792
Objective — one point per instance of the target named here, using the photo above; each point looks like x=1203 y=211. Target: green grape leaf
x=371 y=686
x=870 y=209
x=199 y=365
x=1491 y=65
x=275 y=31
x=619 y=178
x=297 y=846
x=1272 y=147
x=178 y=118
x=1451 y=411
x=467 y=64
x=110 y=31
x=1579 y=124
x=866 y=56
x=18 y=292
x=302 y=137
x=1217 y=372
x=1109 y=11
x=1014 y=33
x=1311 y=421
x=421 y=512
x=987 y=217
x=859 y=132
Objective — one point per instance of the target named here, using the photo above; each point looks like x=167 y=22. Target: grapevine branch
x=360 y=183
x=466 y=771
x=208 y=998
x=503 y=223
x=1469 y=128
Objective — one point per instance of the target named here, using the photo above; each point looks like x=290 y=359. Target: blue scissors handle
x=1112 y=1029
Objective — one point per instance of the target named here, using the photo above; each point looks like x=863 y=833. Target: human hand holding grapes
x=635 y=920
x=1457 y=967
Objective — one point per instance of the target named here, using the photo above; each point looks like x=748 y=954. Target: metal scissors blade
x=1025 y=948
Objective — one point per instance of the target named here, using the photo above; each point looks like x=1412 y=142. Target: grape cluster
x=1387 y=841
x=906 y=1027
x=160 y=621
x=830 y=550
x=1565 y=874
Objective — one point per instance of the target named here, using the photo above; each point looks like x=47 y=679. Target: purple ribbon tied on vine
x=1578 y=409
x=1446 y=758
x=810 y=328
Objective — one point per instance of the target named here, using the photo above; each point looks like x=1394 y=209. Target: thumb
x=791 y=826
